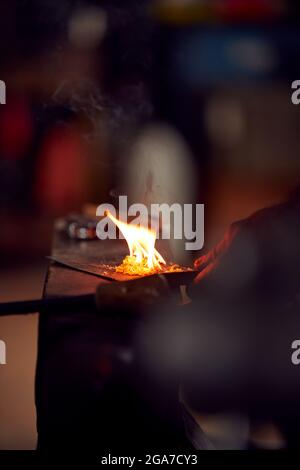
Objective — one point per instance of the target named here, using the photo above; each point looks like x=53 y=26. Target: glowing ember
x=143 y=258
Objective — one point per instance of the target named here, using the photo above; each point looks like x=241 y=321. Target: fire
x=143 y=257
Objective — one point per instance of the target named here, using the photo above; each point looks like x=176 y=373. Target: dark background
x=90 y=84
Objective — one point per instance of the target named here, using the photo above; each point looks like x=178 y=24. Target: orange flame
x=143 y=257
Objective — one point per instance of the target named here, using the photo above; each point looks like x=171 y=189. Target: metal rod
x=25 y=307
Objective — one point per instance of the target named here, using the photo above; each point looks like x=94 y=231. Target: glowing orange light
x=143 y=257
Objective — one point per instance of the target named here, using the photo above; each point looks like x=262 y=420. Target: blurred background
x=163 y=100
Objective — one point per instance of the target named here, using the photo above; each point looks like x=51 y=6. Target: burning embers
x=143 y=258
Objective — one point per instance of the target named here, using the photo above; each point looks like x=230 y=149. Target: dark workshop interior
x=165 y=101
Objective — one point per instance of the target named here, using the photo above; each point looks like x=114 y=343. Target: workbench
x=92 y=392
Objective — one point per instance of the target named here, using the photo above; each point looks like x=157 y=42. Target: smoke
x=117 y=115
x=122 y=101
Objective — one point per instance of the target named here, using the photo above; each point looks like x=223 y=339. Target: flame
x=143 y=257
